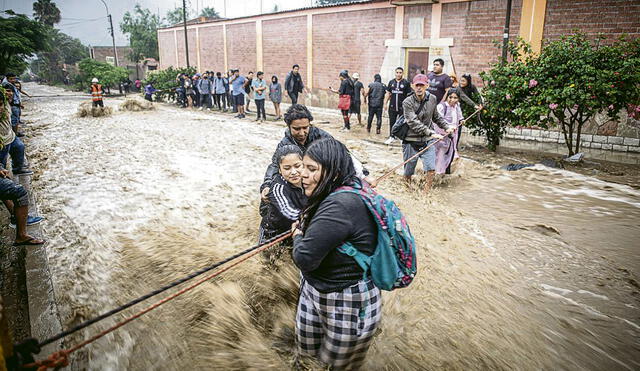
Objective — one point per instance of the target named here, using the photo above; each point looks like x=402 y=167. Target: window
x=110 y=60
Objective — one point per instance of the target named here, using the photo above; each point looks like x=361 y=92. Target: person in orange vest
x=96 y=93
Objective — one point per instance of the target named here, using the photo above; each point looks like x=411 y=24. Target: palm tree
x=46 y=12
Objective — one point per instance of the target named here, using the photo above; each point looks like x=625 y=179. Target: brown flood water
x=534 y=269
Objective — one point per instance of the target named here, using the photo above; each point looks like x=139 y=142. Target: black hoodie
x=314 y=134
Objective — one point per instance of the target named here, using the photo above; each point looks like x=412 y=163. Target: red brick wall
x=182 y=59
x=211 y=49
x=352 y=41
x=278 y=53
x=241 y=46
x=417 y=11
x=166 y=49
x=612 y=18
x=474 y=26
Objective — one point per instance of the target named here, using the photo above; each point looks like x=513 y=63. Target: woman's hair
x=469 y=89
x=274 y=79
x=377 y=77
x=297 y=112
x=284 y=151
x=344 y=73
x=337 y=170
x=454 y=78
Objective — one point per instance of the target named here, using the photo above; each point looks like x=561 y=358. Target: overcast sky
x=87 y=19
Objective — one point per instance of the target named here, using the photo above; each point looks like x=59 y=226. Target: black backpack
x=400 y=129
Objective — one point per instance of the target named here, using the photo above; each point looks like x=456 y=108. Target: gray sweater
x=421 y=125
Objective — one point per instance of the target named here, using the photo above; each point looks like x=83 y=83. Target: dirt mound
x=86 y=109
x=135 y=104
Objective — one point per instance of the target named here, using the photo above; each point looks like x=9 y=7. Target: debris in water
x=136 y=104
x=575 y=158
x=86 y=109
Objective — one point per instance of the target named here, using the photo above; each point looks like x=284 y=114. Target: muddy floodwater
x=534 y=269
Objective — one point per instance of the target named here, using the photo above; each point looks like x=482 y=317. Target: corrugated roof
x=352 y=2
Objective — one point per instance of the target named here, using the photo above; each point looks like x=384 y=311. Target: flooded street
x=534 y=269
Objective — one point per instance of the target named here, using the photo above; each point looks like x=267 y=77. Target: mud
x=535 y=269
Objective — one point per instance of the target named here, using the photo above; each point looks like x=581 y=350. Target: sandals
x=30 y=242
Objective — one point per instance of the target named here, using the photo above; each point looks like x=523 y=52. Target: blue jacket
x=206 y=86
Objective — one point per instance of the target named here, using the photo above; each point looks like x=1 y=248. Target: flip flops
x=30 y=242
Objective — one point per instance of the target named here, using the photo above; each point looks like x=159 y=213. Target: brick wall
x=352 y=41
x=166 y=50
x=182 y=59
x=241 y=46
x=612 y=18
x=417 y=11
x=278 y=57
x=474 y=26
x=211 y=49
x=100 y=53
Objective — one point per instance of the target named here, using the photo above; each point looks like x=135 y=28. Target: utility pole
x=505 y=35
x=184 y=19
x=113 y=39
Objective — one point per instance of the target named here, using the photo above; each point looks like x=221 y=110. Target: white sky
x=87 y=19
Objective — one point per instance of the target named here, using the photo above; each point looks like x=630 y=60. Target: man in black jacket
x=293 y=84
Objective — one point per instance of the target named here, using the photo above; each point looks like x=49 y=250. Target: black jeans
x=294 y=97
x=260 y=108
x=393 y=116
x=377 y=112
x=97 y=103
x=205 y=100
x=345 y=117
x=216 y=100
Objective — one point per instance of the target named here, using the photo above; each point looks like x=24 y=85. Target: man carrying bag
x=416 y=130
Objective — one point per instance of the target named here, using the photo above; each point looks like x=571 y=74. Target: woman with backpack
x=339 y=309
x=346 y=93
x=286 y=199
x=447 y=148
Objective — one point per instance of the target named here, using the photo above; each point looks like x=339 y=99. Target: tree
x=209 y=13
x=21 y=38
x=69 y=50
x=46 y=12
x=141 y=27
x=572 y=80
x=108 y=74
x=174 y=16
x=165 y=81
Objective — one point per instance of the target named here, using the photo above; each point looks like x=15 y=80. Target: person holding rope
x=420 y=113
x=338 y=309
x=286 y=198
x=447 y=148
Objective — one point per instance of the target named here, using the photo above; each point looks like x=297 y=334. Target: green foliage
x=46 y=11
x=21 y=38
x=573 y=79
x=141 y=27
x=69 y=50
x=174 y=16
x=209 y=13
x=107 y=74
x=165 y=81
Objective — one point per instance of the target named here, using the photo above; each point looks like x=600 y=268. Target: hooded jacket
x=314 y=134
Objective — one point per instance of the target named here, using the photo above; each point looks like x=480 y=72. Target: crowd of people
x=14 y=196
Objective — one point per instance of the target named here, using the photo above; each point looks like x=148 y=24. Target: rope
x=60 y=358
x=393 y=169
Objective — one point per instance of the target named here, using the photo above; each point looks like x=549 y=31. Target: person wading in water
x=338 y=310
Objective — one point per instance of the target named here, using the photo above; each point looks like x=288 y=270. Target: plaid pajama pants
x=338 y=327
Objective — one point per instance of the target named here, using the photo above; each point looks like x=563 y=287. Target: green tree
x=174 y=16
x=165 y=81
x=21 y=39
x=572 y=80
x=209 y=13
x=69 y=50
x=108 y=74
x=141 y=28
x=46 y=11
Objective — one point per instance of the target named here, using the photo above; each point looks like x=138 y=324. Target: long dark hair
x=337 y=170
x=469 y=89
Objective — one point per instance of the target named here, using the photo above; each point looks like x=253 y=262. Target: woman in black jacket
x=286 y=199
x=339 y=309
x=346 y=88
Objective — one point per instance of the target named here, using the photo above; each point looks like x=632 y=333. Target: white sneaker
x=389 y=140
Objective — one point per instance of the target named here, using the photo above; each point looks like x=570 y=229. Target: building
x=136 y=70
x=376 y=36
